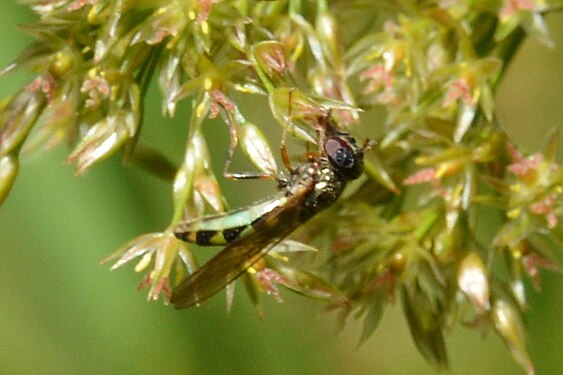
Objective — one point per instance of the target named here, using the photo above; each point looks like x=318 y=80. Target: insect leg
x=231 y=123
x=284 y=154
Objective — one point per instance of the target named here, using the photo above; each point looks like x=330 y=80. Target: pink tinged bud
x=223 y=101
x=160 y=254
x=271 y=58
x=270 y=279
x=523 y=167
x=55 y=124
x=17 y=119
x=137 y=247
x=532 y=264
x=159 y=35
x=164 y=260
x=203 y=8
x=78 y=4
x=461 y=90
x=514 y=153
x=236 y=35
x=546 y=207
x=422 y=176
x=378 y=79
x=472 y=281
x=512 y=6
x=289 y=106
x=97 y=88
x=210 y=191
x=308 y=284
x=44 y=84
x=161 y=286
x=103 y=139
x=391 y=27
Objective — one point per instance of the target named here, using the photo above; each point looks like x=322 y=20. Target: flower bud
x=18 y=117
x=327 y=32
x=62 y=63
x=271 y=58
x=103 y=139
x=509 y=325
x=472 y=280
x=256 y=148
x=8 y=171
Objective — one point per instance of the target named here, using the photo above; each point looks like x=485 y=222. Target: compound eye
x=344 y=157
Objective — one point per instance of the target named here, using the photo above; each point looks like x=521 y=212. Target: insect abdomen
x=222 y=229
x=212 y=237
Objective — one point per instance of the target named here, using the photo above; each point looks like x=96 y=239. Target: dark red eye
x=346 y=158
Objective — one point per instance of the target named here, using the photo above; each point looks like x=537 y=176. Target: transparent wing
x=240 y=254
x=231 y=219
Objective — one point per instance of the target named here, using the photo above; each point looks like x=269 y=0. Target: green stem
x=264 y=79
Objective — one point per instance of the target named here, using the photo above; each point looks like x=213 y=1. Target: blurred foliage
x=452 y=218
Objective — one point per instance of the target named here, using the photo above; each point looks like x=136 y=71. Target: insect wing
x=240 y=254
x=221 y=229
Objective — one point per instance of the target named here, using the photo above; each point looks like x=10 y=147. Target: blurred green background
x=63 y=313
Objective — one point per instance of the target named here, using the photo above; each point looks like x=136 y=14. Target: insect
x=249 y=233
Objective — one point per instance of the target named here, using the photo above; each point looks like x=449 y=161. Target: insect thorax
x=324 y=187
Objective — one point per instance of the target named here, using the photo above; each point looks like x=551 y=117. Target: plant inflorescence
x=440 y=171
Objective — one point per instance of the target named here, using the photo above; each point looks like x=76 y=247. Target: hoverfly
x=249 y=233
